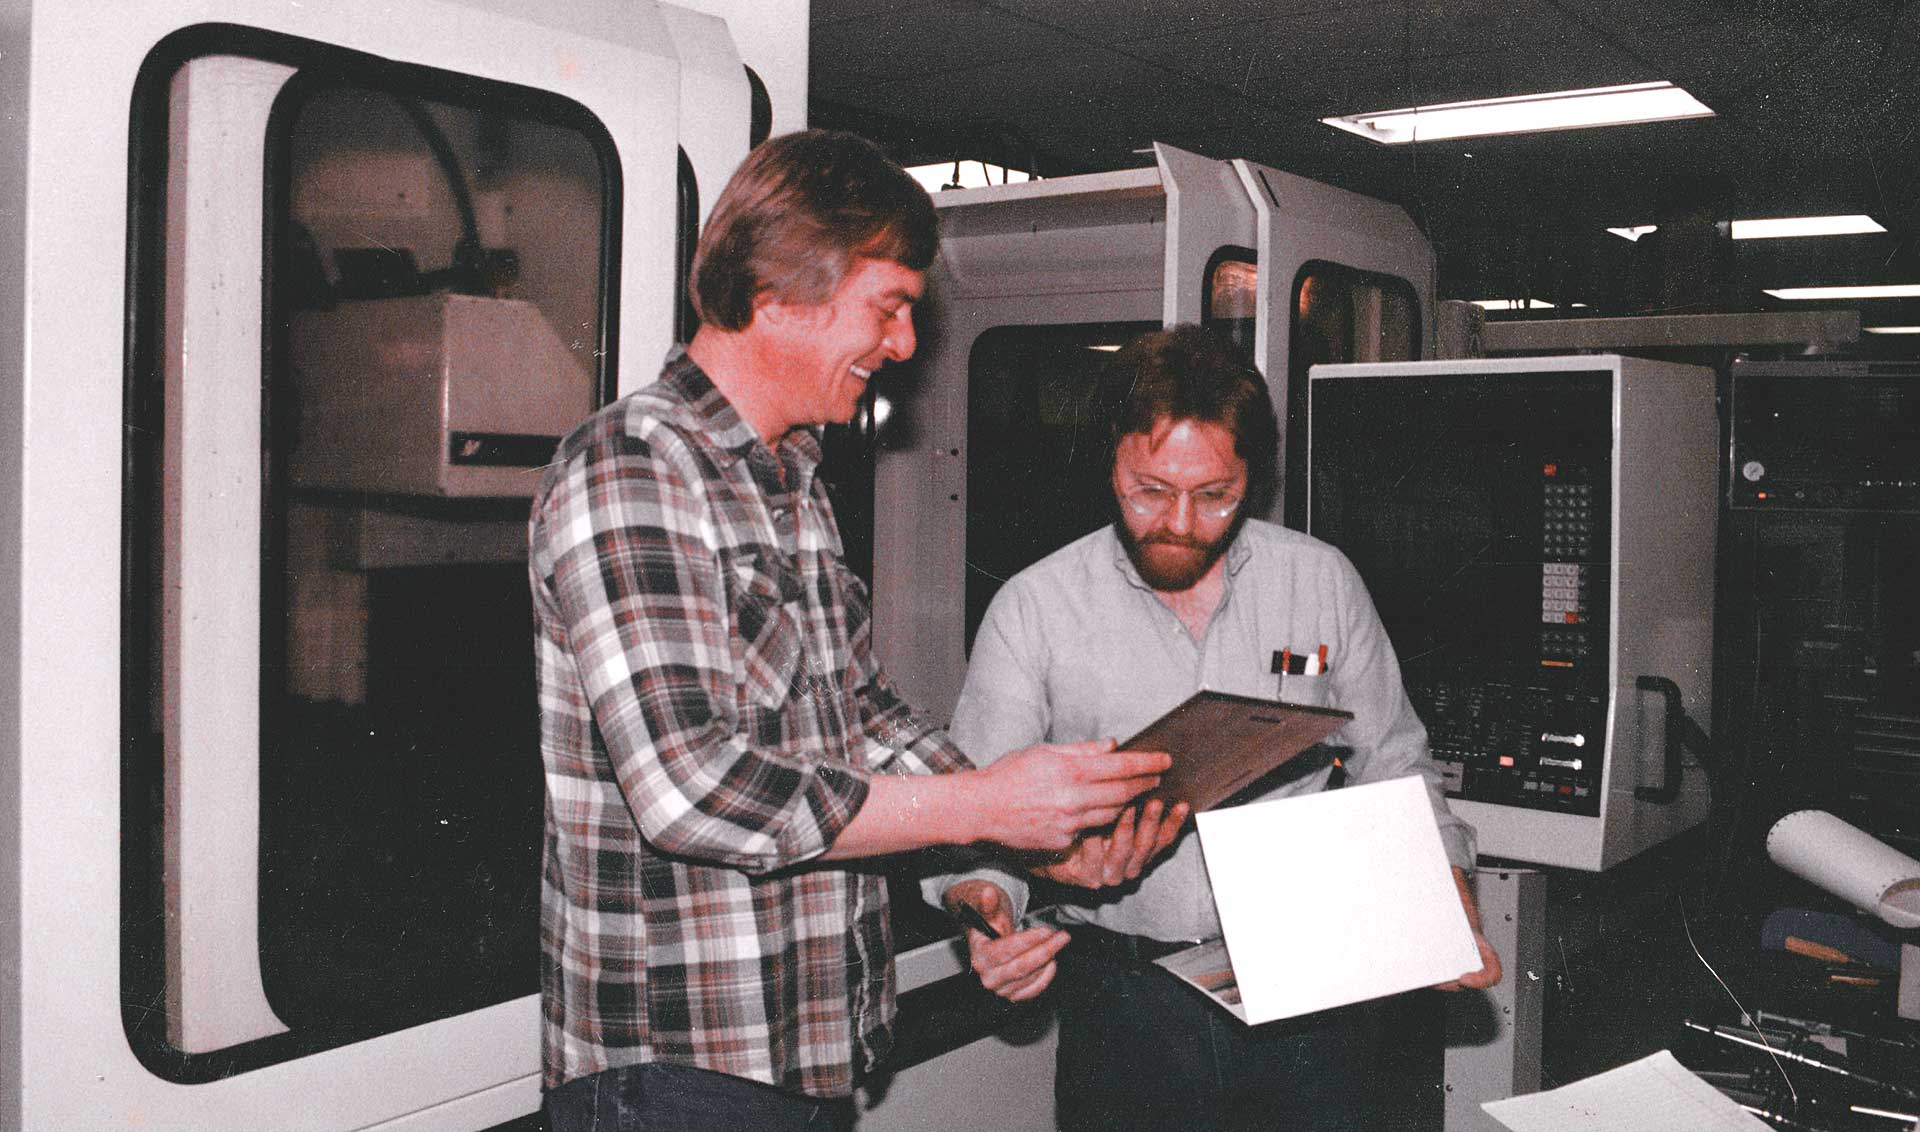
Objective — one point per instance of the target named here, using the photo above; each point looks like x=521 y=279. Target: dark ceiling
x=1818 y=111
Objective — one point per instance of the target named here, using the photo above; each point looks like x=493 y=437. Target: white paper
x=1849 y=863
x=1336 y=897
x=1654 y=1094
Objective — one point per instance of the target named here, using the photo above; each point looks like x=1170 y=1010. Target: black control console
x=1824 y=435
x=1483 y=538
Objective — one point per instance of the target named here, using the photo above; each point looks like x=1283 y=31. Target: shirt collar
x=709 y=411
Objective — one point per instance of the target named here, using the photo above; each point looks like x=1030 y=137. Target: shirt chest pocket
x=1299 y=675
x=769 y=650
x=1310 y=691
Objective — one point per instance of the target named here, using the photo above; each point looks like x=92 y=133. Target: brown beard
x=1175 y=580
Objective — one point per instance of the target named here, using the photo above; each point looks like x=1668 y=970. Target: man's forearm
x=907 y=812
x=1037 y=798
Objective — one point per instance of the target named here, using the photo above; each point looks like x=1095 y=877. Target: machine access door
x=1341 y=278
x=311 y=290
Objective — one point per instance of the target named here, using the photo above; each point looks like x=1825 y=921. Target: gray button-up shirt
x=1078 y=647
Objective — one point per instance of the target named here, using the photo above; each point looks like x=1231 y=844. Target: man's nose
x=1180 y=515
x=900 y=339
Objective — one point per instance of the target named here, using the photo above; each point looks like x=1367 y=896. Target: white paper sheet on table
x=1654 y=1094
x=1337 y=897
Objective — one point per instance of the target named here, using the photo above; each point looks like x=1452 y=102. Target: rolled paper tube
x=1849 y=863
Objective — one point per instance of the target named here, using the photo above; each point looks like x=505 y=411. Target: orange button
x=1506 y=760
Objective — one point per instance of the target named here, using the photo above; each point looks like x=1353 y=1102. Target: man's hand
x=1100 y=860
x=1043 y=797
x=1489 y=972
x=1018 y=965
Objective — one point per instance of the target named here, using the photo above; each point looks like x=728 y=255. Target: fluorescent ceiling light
x=968 y=174
x=1511 y=304
x=1778 y=229
x=1892 y=291
x=1105 y=349
x=1528 y=113
x=1804 y=226
x=1891 y=329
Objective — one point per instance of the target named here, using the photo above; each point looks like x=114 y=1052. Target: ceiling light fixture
x=1891 y=329
x=1804 y=226
x=1890 y=291
x=1529 y=113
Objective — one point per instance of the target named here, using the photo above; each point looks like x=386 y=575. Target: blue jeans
x=679 y=1098
x=1141 y=1051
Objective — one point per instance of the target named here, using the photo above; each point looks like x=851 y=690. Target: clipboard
x=1221 y=742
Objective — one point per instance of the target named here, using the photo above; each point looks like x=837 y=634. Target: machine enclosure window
x=438 y=254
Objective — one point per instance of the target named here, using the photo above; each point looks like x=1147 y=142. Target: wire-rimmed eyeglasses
x=1153 y=500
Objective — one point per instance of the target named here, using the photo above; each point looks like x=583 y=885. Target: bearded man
x=1182 y=592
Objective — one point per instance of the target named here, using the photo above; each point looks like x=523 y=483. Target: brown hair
x=1190 y=373
x=795 y=216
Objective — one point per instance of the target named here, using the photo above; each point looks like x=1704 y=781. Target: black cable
x=469 y=246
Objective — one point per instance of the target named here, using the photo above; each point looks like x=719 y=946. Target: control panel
x=1485 y=549
x=1824 y=436
x=1529 y=734
x=1537 y=535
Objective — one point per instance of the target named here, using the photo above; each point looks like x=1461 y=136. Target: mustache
x=1187 y=542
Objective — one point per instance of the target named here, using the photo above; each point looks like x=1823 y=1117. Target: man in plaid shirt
x=715 y=731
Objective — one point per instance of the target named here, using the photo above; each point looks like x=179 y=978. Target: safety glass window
x=368 y=301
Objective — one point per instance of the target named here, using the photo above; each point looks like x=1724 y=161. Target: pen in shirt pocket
x=1287 y=662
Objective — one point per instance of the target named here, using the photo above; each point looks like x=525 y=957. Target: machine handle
x=1682 y=733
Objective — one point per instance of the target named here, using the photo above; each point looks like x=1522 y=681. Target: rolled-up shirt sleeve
x=627 y=557
x=899 y=740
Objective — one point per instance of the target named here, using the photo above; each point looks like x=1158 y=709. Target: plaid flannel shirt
x=710 y=715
